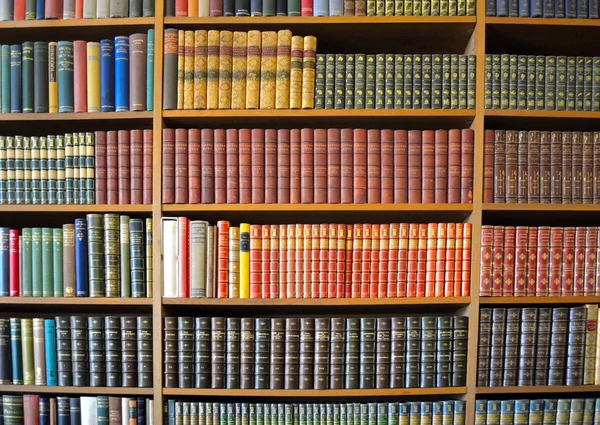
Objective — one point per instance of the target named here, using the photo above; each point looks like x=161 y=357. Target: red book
x=393 y=267
x=137 y=167
x=232 y=168
x=320 y=165
x=245 y=171
x=181 y=166
x=207 y=166
x=357 y=235
x=450 y=260
x=331 y=256
x=221 y=166
x=271 y=166
x=365 y=276
x=428 y=167
x=216 y=7
x=412 y=259
x=441 y=166
x=100 y=163
x=415 y=176
x=31 y=409
x=307 y=166
x=266 y=262
x=275 y=288
x=556 y=260
x=183 y=266
x=19 y=10
x=465 y=288
x=532 y=260
x=384 y=258
x=587 y=164
x=458 y=263
x=485 y=283
x=147 y=183
x=307 y=7
x=400 y=166
x=283 y=166
x=299 y=265
x=80 y=76
x=311 y=254
x=349 y=261
x=431 y=254
x=498 y=258
x=373 y=167
x=223 y=259
x=334 y=171
x=78 y=10
x=421 y=261
x=307 y=261
x=375 y=247
x=283 y=261
x=591 y=238
x=387 y=166
x=324 y=263
x=454 y=173
x=258 y=166
x=318 y=285
x=181 y=8
x=291 y=261
x=124 y=166
x=520 y=276
x=359 y=169
x=508 y=273
x=341 y=261
x=466 y=165
x=295 y=165
x=347 y=165
x=194 y=167
x=13 y=262
x=168 y=167
x=488 y=167
x=543 y=261
x=440 y=259
x=568 y=261
x=53 y=10
x=579 y=277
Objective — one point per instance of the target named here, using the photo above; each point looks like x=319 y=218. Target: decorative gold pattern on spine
x=282 y=83
x=188 y=71
x=180 y=68
x=268 y=69
x=200 y=48
x=212 y=67
x=238 y=74
x=253 y=70
x=296 y=72
x=308 y=72
x=225 y=61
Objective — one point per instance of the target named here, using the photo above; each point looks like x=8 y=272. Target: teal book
x=65 y=76
x=426 y=412
x=150 y=71
x=563 y=411
x=536 y=412
x=597 y=412
x=459 y=412
x=480 y=412
x=507 y=411
x=27 y=86
x=16 y=351
x=15 y=78
x=576 y=412
x=493 y=412
x=403 y=413
x=12 y=409
x=521 y=412
x=57 y=266
x=36 y=261
x=102 y=409
x=549 y=416
x=26 y=270
x=47 y=263
x=5 y=86
x=50 y=351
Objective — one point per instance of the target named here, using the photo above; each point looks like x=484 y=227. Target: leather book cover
x=521 y=259
x=124 y=166
x=508 y=273
x=488 y=166
x=245 y=165
x=308 y=72
x=451 y=256
x=522 y=167
x=596 y=167
x=225 y=65
x=577 y=167
x=347 y=165
x=341 y=265
x=80 y=76
x=258 y=166
x=207 y=166
x=232 y=165
x=499 y=166
x=440 y=260
x=137 y=166
x=238 y=70
x=415 y=179
x=498 y=260
x=268 y=69
x=255 y=261
x=334 y=171
x=511 y=164
x=374 y=265
x=430 y=288
x=359 y=161
x=567 y=167
x=200 y=68
x=441 y=166
x=170 y=70
x=147 y=183
x=275 y=287
x=383 y=260
x=485 y=283
x=253 y=72
x=373 y=166
x=194 y=166
x=137 y=70
x=101 y=166
x=587 y=168
x=568 y=260
x=295 y=94
x=556 y=170
x=428 y=167
x=270 y=166
x=220 y=146
x=545 y=168
x=387 y=166
x=291 y=260
x=320 y=166
x=556 y=260
x=282 y=80
x=533 y=167
x=393 y=265
x=400 y=166
x=295 y=166
x=579 y=261
x=543 y=260
x=355 y=236
x=181 y=166
x=591 y=240
x=212 y=70
x=454 y=166
x=412 y=260
x=421 y=261
x=467 y=147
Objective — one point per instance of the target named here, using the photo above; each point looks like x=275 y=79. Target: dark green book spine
x=35 y=170
x=329 y=81
x=27 y=170
x=57 y=267
x=587 y=83
x=113 y=237
x=389 y=81
x=436 y=81
x=417 y=81
x=550 y=76
x=399 y=82
x=446 y=76
x=504 y=80
x=339 y=81
x=496 y=72
x=320 y=82
x=69 y=165
x=522 y=82
x=540 y=82
x=380 y=81
x=44 y=170
x=561 y=83
x=75 y=179
x=137 y=258
x=471 y=79
x=65 y=76
x=454 y=82
x=462 y=81
x=360 y=81
x=426 y=81
x=96 y=269
x=350 y=84
x=579 y=76
x=10 y=171
x=408 y=81
x=487 y=84
x=19 y=171
x=36 y=261
x=60 y=169
x=51 y=166
x=370 y=83
x=596 y=84
x=408 y=7
x=27 y=83
x=571 y=83
x=12 y=407
x=47 y=263
x=512 y=82
x=40 y=71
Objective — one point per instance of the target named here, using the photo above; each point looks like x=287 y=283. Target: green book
x=36 y=261
x=587 y=84
x=563 y=409
x=561 y=83
x=380 y=82
x=260 y=420
x=496 y=73
x=3 y=182
x=343 y=414
x=27 y=171
x=448 y=412
x=444 y=6
x=576 y=412
x=90 y=190
x=136 y=259
x=417 y=7
x=550 y=87
x=43 y=170
x=536 y=80
x=69 y=191
x=550 y=412
x=417 y=79
x=27 y=350
x=125 y=265
x=35 y=171
x=389 y=7
x=5 y=73
x=462 y=81
x=12 y=409
x=436 y=415
x=60 y=170
x=370 y=82
x=47 y=262
x=339 y=85
x=454 y=82
x=415 y=413
x=399 y=81
x=27 y=86
x=349 y=83
x=113 y=255
x=389 y=81
x=579 y=77
x=102 y=410
x=403 y=413
x=588 y=412
x=512 y=81
x=96 y=270
x=359 y=80
x=149 y=255
x=19 y=171
x=446 y=83
x=83 y=161
x=10 y=170
x=522 y=82
x=471 y=73
x=398 y=7
x=329 y=81
x=487 y=84
x=382 y=414
x=57 y=255
x=26 y=262
x=504 y=80
x=408 y=81
x=75 y=168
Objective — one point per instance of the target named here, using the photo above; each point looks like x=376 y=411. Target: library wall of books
x=299 y=212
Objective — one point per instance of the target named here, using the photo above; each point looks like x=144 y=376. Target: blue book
x=570 y=8
x=524 y=8
x=75 y=410
x=493 y=411
x=536 y=412
x=150 y=71
x=426 y=411
x=5 y=59
x=582 y=9
x=65 y=76
x=50 y=346
x=141 y=411
x=107 y=76
x=40 y=9
x=548 y=8
x=521 y=412
x=44 y=409
x=63 y=411
x=102 y=409
x=559 y=8
x=502 y=8
x=336 y=7
x=256 y=7
x=490 y=7
x=171 y=420
x=536 y=8
x=549 y=410
x=593 y=9
x=480 y=412
x=459 y=412
x=321 y=7
x=121 y=74
x=81 y=258
x=15 y=78
x=4 y=268
x=16 y=351
x=597 y=412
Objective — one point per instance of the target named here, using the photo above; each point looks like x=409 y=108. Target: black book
x=408 y=81
x=350 y=82
x=496 y=83
x=246 y=355
x=417 y=77
x=360 y=81
x=382 y=352
x=370 y=77
x=459 y=355
x=40 y=76
x=454 y=81
x=527 y=346
x=511 y=346
x=262 y=339
x=399 y=81
x=397 y=352
x=413 y=352
x=462 y=81
x=277 y=354
x=426 y=77
x=558 y=346
x=306 y=354
x=522 y=82
x=352 y=353
x=366 y=378
x=322 y=353
x=436 y=81
x=389 y=81
x=329 y=81
x=512 y=81
x=292 y=353
x=428 y=350
x=232 y=358
x=487 y=84
x=218 y=328
x=497 y=342
x=576 y=345
x=337 y=345
x=380 y=68
x=504 y=81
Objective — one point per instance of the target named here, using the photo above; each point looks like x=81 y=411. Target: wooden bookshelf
x=565 y=389
x=82 y=209
x=322 y=303
x=36 y=389
x=524 y=301
x=124 y=23
x=315 y=393
x=67 y=302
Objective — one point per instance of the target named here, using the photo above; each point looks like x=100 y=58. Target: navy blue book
x=141 y=410
x=582 y=9
x=490 y=8
x=107 y=76
x=559 y=8
x=121 y=74
x=15 y=78
x=81 y=258
x=536 y=8
x=548 y=8
x=524 y=11
x=75 y=410
x=102 y=409
x=63 y=411
x=44 y=407
x=4 y=284
x=40 y=6
x=256 y=7
x=571 y=8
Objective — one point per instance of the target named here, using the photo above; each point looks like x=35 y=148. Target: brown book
x=295 y=165
x=271 y=166
x=194 y=167
x=467 y=147
x=320 y=165
x=232 y=165
x=283 y=166
x=115 y=415
x=220 y=145
x=168 y=166
x=587 y=167
x=124 y=164
x=596 y=166
x=334 y=166
x=137 y=166
x=577 y=167
x=180 y=68
x=112 y=168
x=499 y=166
x=181 y=166
x=137 y=71
x=373 y=166
x=68 y=260
x=441 y=166
x=533 y=167
x=555 y=168
x=100 y=162
x=400 y=166
x=522 y=167
x=245 y=171
x=428 y=167
x=148 y=142
x=307 y=166
x=454 y=163
x=346 y=166
x=567 y=168
x=415 y=167
x=258 y=166
x=359 y=166
x=488 y=167
x=207 y=166
x=544 y=167
x=387 y=166
x=511 y=164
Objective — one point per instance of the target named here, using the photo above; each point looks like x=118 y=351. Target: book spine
x=65 y=77
x=50 y=352
x=122 y=74
x=40 y=66
x=308 y=72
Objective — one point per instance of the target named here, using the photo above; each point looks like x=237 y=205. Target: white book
x=89 y=9
x=203 y=8
x=210 y=262
x=102 y=8
x=124 y=411
x=169 y=256
x=6 y=10
x=89 y=411
x=591 y=336
x=198 y=232
x=149 y=412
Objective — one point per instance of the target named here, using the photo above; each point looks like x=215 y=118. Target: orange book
x=307 y=263
x=422 y=261
x=283 y=251
x=324 y=262
x=384 y=252
x=450 y=260
x=192 y=8
x=299 y=260
x=291 y=261
x=374 y=278
x=222 y=259
x=365 y=277
x=315 y=256
x=393 y=261
x=340 y=261
x=348 y=261
x=357 y=236
x=465 y=289
x=440 y=259
x=403 y=256
x=255 y=260
x=430 y=261
x=274 y=262
x=458 y=247
x=413 y=256
x=331 y=258
x=266 y=262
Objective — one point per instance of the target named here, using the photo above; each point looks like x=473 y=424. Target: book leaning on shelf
x=101 y=256
x=19 y=10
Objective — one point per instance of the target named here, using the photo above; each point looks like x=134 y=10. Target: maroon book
x=587 y=168
x=245 y=148
x=596 y=166
x=181 y=166
x=568 y=261
x=295 y=164
x=467 y=146
x=137 y=166
x=100 y=162
x=80 y=76
x=359 y=162
x=271 y=166
x=522 y=167
x=428 y=167
x=283 y=166
x=232 y=161
x=347 y=165
x=511 y=164
x=220 y=166
x=454 y=174
x=334 y=170
x=415 y=176
x=207 y=166
x=168 y=166
x=124 y=164
x=307 y=166
x=508 y=273
x=555 y=167
x=400 y=166
x=112 y=166
x=577 y=167
x=373 y=166
x=147 y=183
x=387 y=168
x=31 y=409
x=194 y=173
x=488 y=167
x=579 y=268
x=499 y=166
x=441 y=166
x=320 y=165
x=258 y=166
x=533 y=167
x=567 y=168
x=545 y=167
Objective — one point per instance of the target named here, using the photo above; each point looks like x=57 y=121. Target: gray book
x=148 y=8
x=119 y=8
x=210 y=262
x=135 y=8
x=6 y=10
x=198 y=233
x=68 y=9
x=102 y=8
x=89 y=9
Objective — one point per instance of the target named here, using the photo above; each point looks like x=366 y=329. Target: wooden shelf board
x=541 y=207
x=538 y=390
x=314 y=393
x=83 y=209
x=322 y=20
x=539 y=300
x=36 y=389
x=322 y=113
x=80 y=301
x=91 y=116
x=316 y=207
x=81 y=23
x=554 y=22
x=509 y=113
x=317 y=302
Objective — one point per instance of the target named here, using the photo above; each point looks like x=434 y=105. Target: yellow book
x=93 y=76
x=591 y=341
x=180 y=68
x=282 y=81
x=188 y=70
x=253 y=70
x=225 y=64
x=52 y=77
x=212 y=70
x=268 y=69
x=234 y=262
x=244 y=260
x=308 y=72
x=200 y=45
x=296 y=72
x=238 y=70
